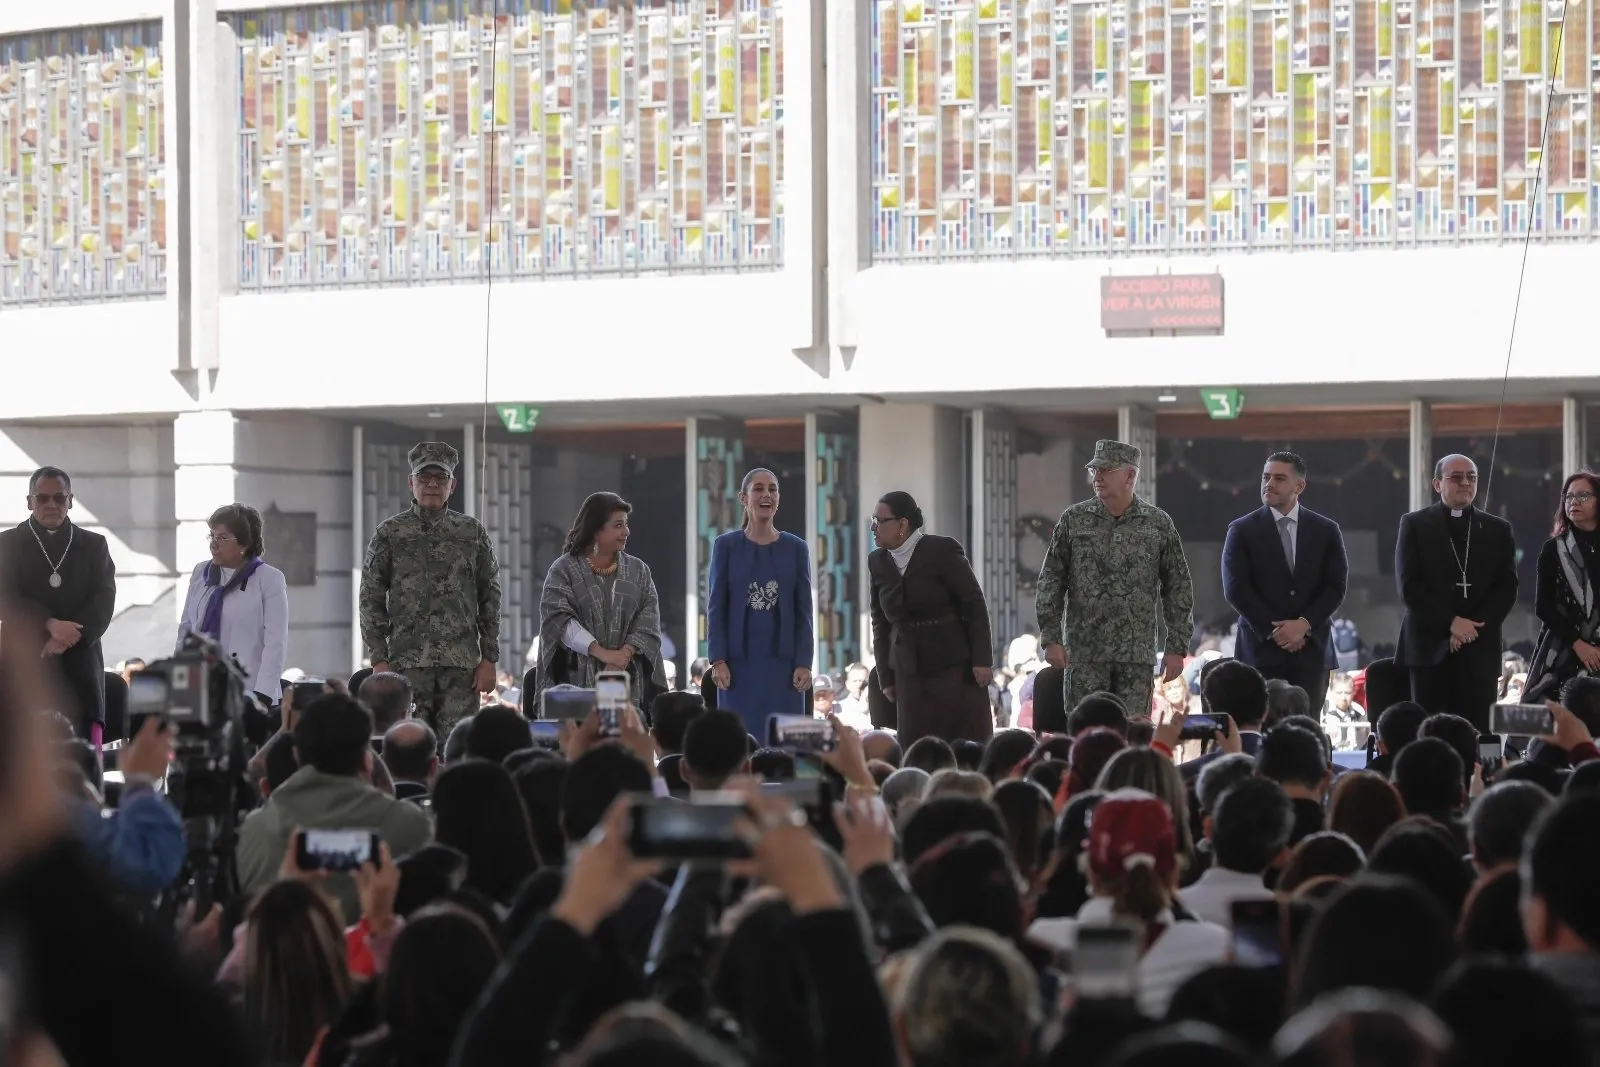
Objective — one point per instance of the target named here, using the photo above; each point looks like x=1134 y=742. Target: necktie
x=1286 y=535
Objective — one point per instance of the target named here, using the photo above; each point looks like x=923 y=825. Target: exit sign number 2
x=518 y=418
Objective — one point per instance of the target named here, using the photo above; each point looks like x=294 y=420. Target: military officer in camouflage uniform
x=1113 y=563
x=430 y=596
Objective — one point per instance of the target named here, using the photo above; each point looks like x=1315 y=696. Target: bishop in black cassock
x=55 y=571
x=1457 y=572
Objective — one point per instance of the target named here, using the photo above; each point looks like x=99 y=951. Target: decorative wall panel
x=1065 y=127
x=719 y=465
x=524 y=547
x=619 y=136
x=83 y=199
x=999 y=563
x=833 y=552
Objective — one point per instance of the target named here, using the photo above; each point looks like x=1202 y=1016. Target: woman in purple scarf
x=239 y=601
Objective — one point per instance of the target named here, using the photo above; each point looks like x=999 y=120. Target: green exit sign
x=518 y=418
x=1223 y=403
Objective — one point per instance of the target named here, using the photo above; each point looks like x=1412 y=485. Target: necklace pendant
x=55 y=580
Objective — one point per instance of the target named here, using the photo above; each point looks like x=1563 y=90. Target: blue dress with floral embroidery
x=762 y=679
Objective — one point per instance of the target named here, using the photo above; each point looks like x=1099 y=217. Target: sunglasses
x=58 y=499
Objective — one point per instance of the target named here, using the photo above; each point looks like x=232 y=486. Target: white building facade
x=252 y=250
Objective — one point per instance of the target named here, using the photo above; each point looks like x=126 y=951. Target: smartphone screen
x=1257 y=933
x=1199 y=727
x=1522 y=720
x=543 y=730
x=1105 y=962
x=336 y=850
x=567 y=702
x=699 y=829
x=798 y=733
x=611 y=689
x=1490 y=749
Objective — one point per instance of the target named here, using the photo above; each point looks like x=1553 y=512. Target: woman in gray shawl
x=1564 y=600
x=599 y=611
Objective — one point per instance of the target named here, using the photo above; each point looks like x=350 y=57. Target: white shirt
x=1293 y=518
x=902 y=555
x=1213 y=893
x=1183 y=950
x=255 y=623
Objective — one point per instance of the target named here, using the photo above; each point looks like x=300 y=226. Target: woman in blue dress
x=758 y=612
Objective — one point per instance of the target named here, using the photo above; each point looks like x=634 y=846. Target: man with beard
x=1284 y=571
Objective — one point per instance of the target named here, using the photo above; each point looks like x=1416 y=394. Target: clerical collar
x=47 y=531
x=1456 y=513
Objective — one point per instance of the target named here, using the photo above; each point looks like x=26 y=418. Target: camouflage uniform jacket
x=430 y=592
x=1102 y=582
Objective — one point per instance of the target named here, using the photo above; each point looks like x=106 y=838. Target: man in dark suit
x=930 y=628
x=56 y=573
x=1284 y=571
x=1457 y=572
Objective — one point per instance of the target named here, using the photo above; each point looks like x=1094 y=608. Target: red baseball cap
x=1130 y=827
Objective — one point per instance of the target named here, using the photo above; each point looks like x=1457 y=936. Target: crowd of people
x=927 y=887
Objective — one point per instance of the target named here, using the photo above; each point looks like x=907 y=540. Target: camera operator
x=141 y=843
x=332 y=790
x=240 y=601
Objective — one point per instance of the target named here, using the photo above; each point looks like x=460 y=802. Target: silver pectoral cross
x=1464 y=586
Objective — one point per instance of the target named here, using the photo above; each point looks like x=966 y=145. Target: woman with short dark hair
x=930 y=627
x=599 y=611
x=240 y=601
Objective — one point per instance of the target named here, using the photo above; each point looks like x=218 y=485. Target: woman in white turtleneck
x=240 y=601
x=930 y=628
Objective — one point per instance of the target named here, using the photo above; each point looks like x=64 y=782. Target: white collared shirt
x=1213 y=893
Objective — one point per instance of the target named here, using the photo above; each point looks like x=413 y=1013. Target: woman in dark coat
x=930 y=628
x=1564 y=596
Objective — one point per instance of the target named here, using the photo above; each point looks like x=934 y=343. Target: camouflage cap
x=1112 y=455
x=434 y=454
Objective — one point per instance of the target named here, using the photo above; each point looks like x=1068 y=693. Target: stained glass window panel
x=83 y=208
x=402 y=141
x=1193 y=125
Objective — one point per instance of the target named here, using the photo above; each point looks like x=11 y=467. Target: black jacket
x=931 y=618
x=1258 y=584
x=1426 y=570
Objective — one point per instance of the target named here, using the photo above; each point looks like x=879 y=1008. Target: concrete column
x=1420 y=455
x=848 y=160
x=919 y=449
x=1574 y=436
x=193 y=175
x=360 y=527
x=1137 y=426
x=471 y=503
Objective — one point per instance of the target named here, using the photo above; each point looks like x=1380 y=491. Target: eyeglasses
x=1577 y=498
x=431 y=479
x=58 y=499
x=220 y=539
x=879 y=520
x=1459 y=478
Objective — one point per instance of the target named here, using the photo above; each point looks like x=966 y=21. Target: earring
x=594 y=547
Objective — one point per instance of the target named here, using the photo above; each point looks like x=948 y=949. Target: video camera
x=218 y=724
